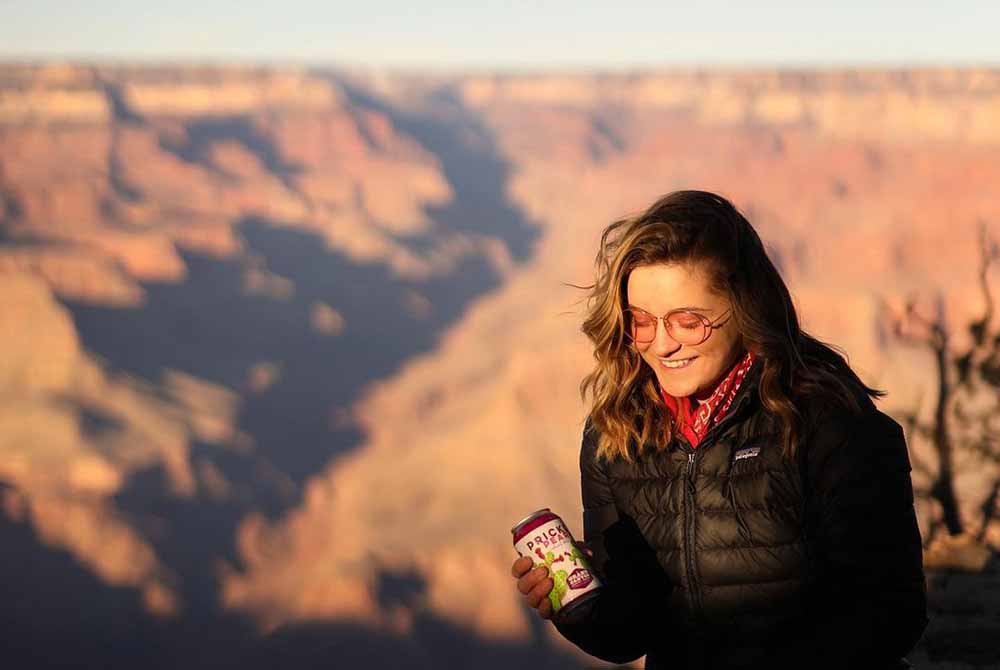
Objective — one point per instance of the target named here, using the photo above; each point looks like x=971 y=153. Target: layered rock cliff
x=326 y=313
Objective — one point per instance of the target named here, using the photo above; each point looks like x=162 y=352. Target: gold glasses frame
x=709 y=325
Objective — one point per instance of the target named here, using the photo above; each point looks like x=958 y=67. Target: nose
x=663 y=345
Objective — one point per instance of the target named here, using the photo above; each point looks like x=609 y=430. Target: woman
x=767 y=518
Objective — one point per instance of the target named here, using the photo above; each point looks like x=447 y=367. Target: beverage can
x=544 y=537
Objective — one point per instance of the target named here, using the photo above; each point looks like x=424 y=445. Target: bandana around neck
x=694 y=424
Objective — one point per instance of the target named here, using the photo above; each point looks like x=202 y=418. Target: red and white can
x=544 y=537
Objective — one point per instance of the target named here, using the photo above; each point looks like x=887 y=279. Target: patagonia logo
x=749 y=452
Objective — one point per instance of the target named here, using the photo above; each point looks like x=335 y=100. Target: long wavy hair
x=703 y=228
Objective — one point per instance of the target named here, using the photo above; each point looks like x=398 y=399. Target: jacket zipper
x=690 y=472
x=689 y=532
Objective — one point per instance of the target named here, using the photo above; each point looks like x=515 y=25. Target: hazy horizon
x=548 y=36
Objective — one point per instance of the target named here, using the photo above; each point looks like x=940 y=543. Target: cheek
x=711 y=350
x=721 y=345
x=647 y=355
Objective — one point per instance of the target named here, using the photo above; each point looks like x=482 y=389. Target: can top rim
x=536 y=513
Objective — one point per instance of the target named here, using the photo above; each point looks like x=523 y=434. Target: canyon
x=290 y=350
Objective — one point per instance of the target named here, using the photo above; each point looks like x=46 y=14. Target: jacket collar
x=747 y=397
x=748 y=391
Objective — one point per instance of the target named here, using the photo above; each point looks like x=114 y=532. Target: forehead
x=661 y=288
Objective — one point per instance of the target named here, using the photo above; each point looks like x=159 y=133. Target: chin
x=678 y=390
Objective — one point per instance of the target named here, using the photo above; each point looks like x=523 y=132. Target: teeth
x=677 y=364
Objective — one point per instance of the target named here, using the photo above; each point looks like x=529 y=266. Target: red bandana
x=695 y=424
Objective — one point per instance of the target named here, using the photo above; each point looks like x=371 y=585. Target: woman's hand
x=536 y=584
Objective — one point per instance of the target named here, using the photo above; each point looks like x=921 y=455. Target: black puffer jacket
x=729 y=556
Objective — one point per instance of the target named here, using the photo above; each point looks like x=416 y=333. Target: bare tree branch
x=989 y=510
x=960 y=380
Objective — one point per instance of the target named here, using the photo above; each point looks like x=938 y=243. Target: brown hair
x=705 y=228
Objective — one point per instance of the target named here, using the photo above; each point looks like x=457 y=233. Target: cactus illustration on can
x=543 y=536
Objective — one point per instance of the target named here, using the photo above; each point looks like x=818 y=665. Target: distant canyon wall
x=867 y=187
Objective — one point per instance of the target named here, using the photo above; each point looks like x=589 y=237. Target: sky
x=511 y=35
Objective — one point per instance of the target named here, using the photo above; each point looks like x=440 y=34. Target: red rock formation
x=470 y=437
x=865 y=185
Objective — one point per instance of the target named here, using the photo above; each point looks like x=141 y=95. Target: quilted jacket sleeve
x=869 y=601
x=615 y=626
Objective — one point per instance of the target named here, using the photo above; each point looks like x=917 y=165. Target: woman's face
x=659 y=289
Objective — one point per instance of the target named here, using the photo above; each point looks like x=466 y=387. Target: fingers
x=521 y=566
x=530 y=580
x=540 y=593
x=535 y=584
x=545 y=609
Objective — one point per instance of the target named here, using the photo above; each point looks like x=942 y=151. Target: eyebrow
x=690 y=309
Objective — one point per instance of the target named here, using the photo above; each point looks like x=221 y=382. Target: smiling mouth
x=676 y=364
